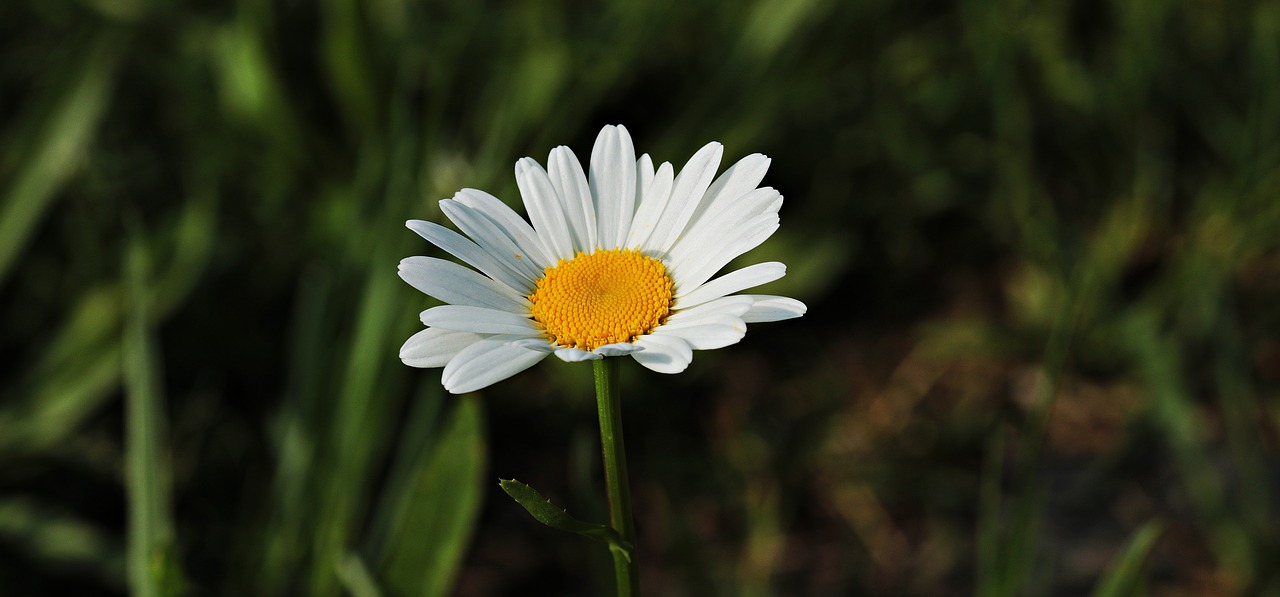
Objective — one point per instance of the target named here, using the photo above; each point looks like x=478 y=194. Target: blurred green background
x=1039 y=241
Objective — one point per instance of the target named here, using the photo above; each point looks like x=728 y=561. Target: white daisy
x=619 y=262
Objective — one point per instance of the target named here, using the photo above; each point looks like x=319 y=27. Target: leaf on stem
x=549 y=514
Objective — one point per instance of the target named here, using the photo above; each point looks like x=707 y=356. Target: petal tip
x=574 y=355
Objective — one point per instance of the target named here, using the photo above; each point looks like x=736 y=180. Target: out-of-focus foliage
x=1040 y=242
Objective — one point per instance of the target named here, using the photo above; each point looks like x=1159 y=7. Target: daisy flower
x=617 y=261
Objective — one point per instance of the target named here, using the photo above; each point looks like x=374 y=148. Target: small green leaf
x=549 y=514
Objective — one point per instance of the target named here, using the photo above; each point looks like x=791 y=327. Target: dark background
x=1039 y=242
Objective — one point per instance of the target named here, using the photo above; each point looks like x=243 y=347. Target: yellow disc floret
x=603 y=298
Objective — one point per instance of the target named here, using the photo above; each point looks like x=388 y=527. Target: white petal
x=663 y=353
x=708 y=333
x=574 y=355
x=767 y=308
x=537 y=343
x=747 y=277
x=508 y=221
x=469 y=252
x=491 y=237
x=485 y=363
x=544 y=207
x=459 y=285
x=697 y=269
x=776 y=205
x=740 y=179
x=686 y=195
x=571 y=186
x=644 y=174
x=613 y=184
x=652 y=204
x=479 y=320
x=618 y=349
x=732 y=306
x=714 y=228
x=433 y=347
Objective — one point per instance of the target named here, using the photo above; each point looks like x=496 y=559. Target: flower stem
x=609 y=403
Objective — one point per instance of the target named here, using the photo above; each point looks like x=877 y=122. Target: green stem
x=615 y=473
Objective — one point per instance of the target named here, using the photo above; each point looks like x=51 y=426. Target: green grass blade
x=990 y=520
x=59 y=403
x=356 y=578
x=52 y=535
x=59 y=150
x=421 y=434
x=1125 y=576
x=435 y=515
x=297 y=432
x=1023 y=541
x=357 y=439
x=151 y=561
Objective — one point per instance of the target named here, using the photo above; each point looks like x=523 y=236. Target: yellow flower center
x=602 y=298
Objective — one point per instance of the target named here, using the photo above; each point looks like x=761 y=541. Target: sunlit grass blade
x=80 y=368
x=420 y=435
x=153 y=569
x=249 y=86
x=368 y=388
x=1124 y=578
x=58 y=403
x=435 y=513
x=191 y=235
x=93 y=321
x=356 y=434
x=58 y=150
x=61 y=538
x=356 y=578
x=347 y=64
x=297 y=431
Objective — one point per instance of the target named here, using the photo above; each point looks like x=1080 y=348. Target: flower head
x=617 y=261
